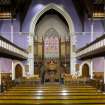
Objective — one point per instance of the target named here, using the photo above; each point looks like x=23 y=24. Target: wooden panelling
x=40 y=50
x=98 y=75
x=63 y=49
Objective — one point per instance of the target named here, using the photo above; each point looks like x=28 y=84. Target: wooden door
x=18 y=71
x=85 y=70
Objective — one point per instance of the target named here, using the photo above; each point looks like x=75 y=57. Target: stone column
x=0 y=76
x=60 y=50
x=104 y=70
x=72 y=54
x=12 y=30
x=91 y=61
x=1 y=89
x=31 y=55
x=13 y=71
x=42 y=48
x=104 y=76
x=92 y=30
x=65 y=51
x=91 y=69
x=0 y=83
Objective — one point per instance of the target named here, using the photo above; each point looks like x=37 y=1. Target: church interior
x=52 y=52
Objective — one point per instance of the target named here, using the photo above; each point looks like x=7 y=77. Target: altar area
x=52 y=73
x=52 y=48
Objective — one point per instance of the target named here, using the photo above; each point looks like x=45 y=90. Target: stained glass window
x=51 y=44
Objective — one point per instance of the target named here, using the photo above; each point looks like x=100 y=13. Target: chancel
x=52 y=52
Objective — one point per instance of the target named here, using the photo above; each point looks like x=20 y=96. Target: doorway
x=18 y=71
x=85 y=70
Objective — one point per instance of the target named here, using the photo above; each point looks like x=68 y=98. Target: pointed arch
x=68 y=19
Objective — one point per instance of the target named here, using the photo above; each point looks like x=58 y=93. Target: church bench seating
x=52 y=94
x=6 y=81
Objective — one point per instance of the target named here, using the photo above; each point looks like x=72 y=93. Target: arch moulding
x=81 y=66
x=32 y=35
x=13 y=69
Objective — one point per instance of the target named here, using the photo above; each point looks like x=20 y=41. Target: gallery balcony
x=95 y=48
x=11 y=50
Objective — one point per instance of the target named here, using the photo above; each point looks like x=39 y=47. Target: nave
x=52 y=52
x=54 y=94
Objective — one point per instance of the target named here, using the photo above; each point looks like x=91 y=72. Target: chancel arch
x=52 y=17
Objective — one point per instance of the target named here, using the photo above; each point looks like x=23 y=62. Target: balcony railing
x=92 y=47
x=80 y=40
x=9 y=46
